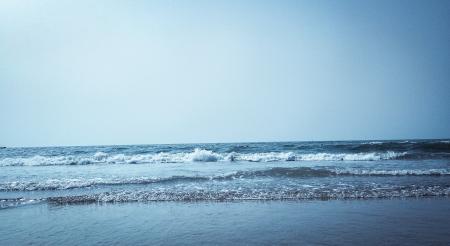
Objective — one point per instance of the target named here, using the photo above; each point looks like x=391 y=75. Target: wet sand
x=338 y=222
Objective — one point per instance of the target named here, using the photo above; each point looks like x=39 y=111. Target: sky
x=142 y=72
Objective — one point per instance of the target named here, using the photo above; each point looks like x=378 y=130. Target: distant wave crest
x=198 y=155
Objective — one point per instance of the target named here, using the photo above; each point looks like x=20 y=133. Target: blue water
x=223 y=172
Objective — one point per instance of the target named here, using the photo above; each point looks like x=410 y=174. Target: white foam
x=267 y=157
x=373 y=156
x=304 y=193
x=401 y=172
x=99 y=156
x=204 y=155
x=71 y=183
x=198 y=155
x=45 y=160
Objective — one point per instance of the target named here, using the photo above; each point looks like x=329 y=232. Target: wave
x=299 y=193
x=297 y=172
x=17 y=202
x=257 y=194
x=198 y=155
x=327 y=172
x=439 y=148
x=65 y=184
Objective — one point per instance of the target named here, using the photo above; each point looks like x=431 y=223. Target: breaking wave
x=299 y=193
x=198 y=155
x=257 y=194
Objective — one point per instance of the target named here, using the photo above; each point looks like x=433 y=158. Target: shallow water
x=338 y=222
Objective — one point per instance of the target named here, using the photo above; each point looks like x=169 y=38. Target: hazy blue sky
x=126 y=72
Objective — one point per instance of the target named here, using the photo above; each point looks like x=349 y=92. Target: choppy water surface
x=241 y=171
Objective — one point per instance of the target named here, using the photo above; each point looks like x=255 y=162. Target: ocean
x=230 y=181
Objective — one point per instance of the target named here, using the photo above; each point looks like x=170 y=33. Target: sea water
x=346 y=192
x=223 y=172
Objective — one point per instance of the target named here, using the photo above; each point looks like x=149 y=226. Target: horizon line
x=238 y=142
